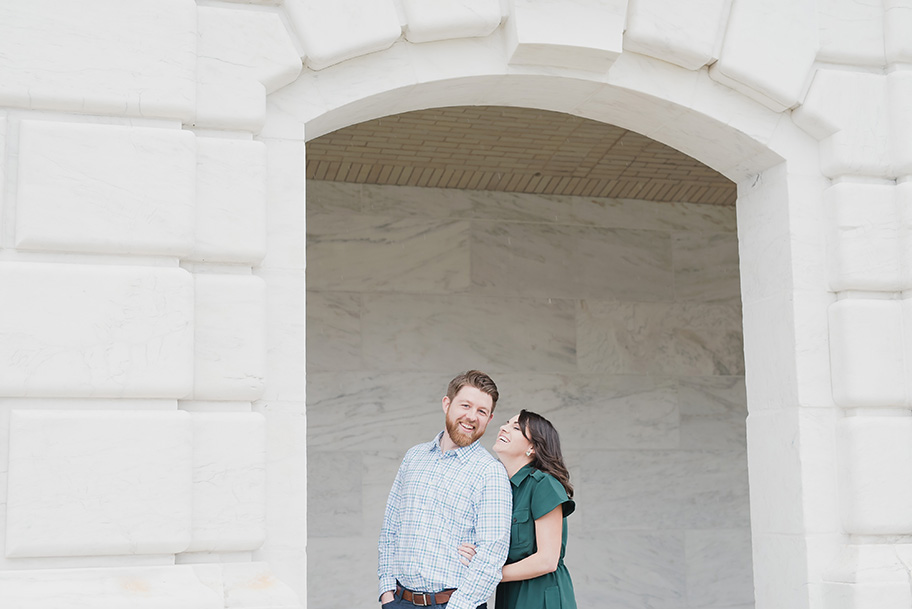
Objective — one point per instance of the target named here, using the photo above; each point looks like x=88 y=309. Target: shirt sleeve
x=386 y=548
x=547 y=495
x=492 y=530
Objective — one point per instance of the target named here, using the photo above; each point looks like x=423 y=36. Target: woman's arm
x=548 y=533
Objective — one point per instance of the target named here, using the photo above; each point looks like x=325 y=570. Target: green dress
x=535 y=494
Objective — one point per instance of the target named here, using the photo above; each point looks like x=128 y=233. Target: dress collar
x=524 y=472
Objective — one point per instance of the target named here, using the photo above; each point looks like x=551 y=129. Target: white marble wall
x=619 y=320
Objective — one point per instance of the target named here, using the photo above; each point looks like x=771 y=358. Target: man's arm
x=386 y=548
x=492 y=529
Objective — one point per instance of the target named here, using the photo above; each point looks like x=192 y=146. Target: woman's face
x=510 y=442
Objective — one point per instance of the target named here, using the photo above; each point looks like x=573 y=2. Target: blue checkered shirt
x=438 y=501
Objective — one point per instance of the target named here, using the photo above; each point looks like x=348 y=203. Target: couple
x=453 y=518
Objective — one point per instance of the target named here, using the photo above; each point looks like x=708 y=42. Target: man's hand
x=387 y=597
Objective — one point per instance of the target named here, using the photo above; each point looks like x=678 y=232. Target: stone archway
x=728 y=132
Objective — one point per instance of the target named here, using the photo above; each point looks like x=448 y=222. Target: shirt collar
x=462 y=452
x=522 y=474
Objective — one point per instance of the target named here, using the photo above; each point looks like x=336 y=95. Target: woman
x=535 y=576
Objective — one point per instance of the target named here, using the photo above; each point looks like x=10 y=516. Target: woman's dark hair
x=546 y=444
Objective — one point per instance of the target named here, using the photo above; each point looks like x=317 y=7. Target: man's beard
x=458 y=436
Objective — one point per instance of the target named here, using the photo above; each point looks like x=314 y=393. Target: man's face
x=467 y=415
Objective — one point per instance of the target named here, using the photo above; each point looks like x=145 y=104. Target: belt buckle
x=424 y=599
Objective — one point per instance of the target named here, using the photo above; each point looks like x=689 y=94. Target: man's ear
x=446 y=403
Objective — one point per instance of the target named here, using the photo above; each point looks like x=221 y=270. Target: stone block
x=286 y=206
x=174 y=587
x=87 y=60
x=231 y=201
x=3 y=129
x=769 y=50
x=867 y=353
x=72 y=330
x=229 y=481
x=897 y=25
x=84 y=483
x=243 y=56
x=655 y=338
x=851 y=108
x=105 y=188
x=686 y=34
x=899 y=91
x=230 y=337
x=331 y=32
x=874 y=457
x=851 y=33
x=864 y=238
x=286 y=324
x=406 y=331
x=719 y=568
x=428 y=20
x=776 y=488
x=359 y=252
x=593 y=43
x=333 y=331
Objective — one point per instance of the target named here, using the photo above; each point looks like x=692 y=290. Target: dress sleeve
x=547 y=495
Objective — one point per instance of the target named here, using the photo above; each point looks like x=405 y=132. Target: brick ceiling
x=513 y=150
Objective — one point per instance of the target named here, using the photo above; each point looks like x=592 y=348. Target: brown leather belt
x=425 y=599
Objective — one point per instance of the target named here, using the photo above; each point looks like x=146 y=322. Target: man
x=448 y=491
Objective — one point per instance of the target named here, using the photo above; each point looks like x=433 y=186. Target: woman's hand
x=466 y=553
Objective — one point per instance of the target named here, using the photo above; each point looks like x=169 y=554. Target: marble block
x=593 y=43
x=331 y=32
x=174 y=587
x=867 y=353
x=367 y=411
x=665 y=489
x=864 y=238
x=85 y=483
x=560 y=261
x=853 y=107
x=286 y=216
x=685 y=34
x=718 y=564
x=428 y=20
x=336 y=510
x=595 y=411
x=243 y=56
x=333 y=331
x=3 y=128
x=229 y=481
x=899 y=89
x=768 y=50
x=83 y=57
x=230 y=201
x=851 y=33
x=427 y=332
x=72 y=330
x=660 y=338
x=105 y=188
x=354 y=252
x=897 y=24
x=230 y=337
x=713 y=412
x=706 y=267
x=254 y=585
x=286 y=336
x=639 y=569
x=875 y=487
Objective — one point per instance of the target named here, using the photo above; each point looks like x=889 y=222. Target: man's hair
x=477 y=379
